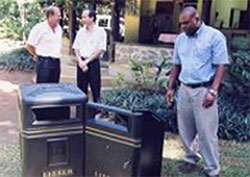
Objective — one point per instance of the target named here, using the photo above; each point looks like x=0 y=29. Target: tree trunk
x=94 y=5
x=206 y=8
x=115 y=21
x=115 y=35
x=72 y=24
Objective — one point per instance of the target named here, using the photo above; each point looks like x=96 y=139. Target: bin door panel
x=110 y=156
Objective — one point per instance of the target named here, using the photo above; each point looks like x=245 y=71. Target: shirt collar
x=47 y=24
x=85 y=28
x=199 y=30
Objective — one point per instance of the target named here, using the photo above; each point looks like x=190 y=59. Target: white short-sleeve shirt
x=88 y=42
x=47 y=42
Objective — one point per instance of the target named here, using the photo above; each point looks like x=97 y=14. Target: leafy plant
x=142 y=74
x=234 y=116
x=237 y=81
x=120 y=79
x=150 y=74
x=234 y=113
x=240 y=43
x=133 y=99
x=17 y=59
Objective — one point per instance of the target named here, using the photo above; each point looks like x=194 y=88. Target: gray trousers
x=193 y=119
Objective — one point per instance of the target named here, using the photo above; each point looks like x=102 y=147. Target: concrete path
x=9 y=125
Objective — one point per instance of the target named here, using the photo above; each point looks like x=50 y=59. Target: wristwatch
x=213 y=92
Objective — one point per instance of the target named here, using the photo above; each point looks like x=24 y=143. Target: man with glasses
x=200 y=56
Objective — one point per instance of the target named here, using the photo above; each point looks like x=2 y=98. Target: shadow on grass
x=170 y=168
x=234 y=158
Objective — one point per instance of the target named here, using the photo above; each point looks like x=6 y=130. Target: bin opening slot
x=112 y=118
x=55 y=113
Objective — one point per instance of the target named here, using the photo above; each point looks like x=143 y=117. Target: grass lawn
x=235 y=159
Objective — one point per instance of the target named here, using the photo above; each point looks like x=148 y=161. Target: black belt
x=84 y=58
x=47 y=58
x=202 y=84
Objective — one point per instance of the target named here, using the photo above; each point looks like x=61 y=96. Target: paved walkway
x=9 y=104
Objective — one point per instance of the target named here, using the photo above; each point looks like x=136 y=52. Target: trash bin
x=51 y=131
x=122 y=143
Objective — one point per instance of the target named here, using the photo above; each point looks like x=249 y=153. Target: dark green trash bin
x=121 y=143
x=51 y=131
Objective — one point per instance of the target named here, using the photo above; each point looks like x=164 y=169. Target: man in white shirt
x=89 y=45
x=44 y=44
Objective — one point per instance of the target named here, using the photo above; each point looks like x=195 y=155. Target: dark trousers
x=92 y=77
x=48 y=70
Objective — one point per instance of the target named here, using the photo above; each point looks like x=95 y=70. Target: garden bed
x=234 y=112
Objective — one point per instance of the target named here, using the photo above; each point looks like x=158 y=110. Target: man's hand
x=170 y=97
x=35 y=58
x=208 y=100
x=83 y=65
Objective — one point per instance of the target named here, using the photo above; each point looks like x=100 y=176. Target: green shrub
x=150 y=74
x=240 y=43
x=17 y=59
x=234 y=100
x=234 y=113
x=136 y=99
x=237 y=80
x=234 y=116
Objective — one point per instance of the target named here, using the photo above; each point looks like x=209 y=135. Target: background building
x=145 y=20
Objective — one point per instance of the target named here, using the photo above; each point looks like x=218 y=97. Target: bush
x=17 y=59
x=237 y=81
x=136 y=99
x=151 y=74
x=234 y=113
x=240 y=43
x=234 y=116
x=235 y=98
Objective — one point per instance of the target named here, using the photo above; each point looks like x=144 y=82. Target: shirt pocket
x=204 y=51
x=48 y=37
x=183 y=51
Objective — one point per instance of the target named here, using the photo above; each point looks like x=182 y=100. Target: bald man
x=44 y=44
x=200 y=56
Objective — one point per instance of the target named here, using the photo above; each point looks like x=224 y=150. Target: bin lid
x=51 y=93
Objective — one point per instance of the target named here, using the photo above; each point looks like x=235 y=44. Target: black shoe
x=187 y=167
x=212 y=175
x=207 y=175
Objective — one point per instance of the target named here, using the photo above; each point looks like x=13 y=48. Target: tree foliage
x=17 y=19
